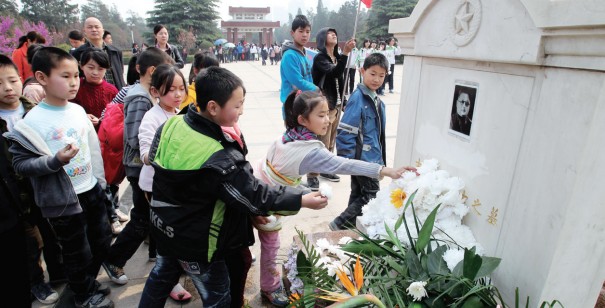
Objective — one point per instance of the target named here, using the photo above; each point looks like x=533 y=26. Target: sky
x=279 y=8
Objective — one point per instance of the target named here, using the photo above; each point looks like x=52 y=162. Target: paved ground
x=261 y=124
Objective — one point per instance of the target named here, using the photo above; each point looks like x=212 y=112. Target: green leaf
x=303 y=266
x=488 y=265
x=399 y=221
x=399 y=268
x=366 y=247
x=471 y=264
x=427 y=228
x=393 y=237
x=417 y=273
x=410 y=200
x=472 y=302
x=437 y=265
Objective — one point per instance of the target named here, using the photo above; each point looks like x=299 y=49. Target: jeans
x=211 y=281
x=136 y=230
x=238 y=264
x=85 y=240
x=363 y=189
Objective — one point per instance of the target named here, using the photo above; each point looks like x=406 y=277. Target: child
x=168 y=86
x=111 y=136
x=137 y=102
x=12 y=228
x=391 y=52
x=295 y=71
x=94 y=93
x=363 y=119
x=18 y=195
x=297 y=152
x=200 y=61
x=203 y=193
x=295 y=68
x=57 y=147
x=363 y=53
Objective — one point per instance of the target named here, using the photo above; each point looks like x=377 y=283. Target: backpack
x=111 y=138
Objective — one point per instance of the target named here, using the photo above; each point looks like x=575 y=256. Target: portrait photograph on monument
x=463 y=105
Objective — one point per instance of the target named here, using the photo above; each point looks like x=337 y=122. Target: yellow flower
x=397 y=197
x=294 y=297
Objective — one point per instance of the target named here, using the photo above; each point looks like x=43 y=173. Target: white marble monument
x=527 y=135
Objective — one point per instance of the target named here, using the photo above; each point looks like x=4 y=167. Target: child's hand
x=314 y=201
x=396 y=173
x=67 y=153
x=93 y=119
x=261 y=220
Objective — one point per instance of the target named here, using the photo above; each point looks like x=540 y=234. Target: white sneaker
x=122 y=216
x=116 y=227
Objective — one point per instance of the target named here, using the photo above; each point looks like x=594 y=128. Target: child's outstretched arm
x=396 y=173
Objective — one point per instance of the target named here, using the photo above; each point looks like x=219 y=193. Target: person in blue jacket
x=361 y=136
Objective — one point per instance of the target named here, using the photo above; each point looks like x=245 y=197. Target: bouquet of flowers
x=407 y=256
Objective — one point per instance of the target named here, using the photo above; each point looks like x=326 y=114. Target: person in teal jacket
x=295 y=68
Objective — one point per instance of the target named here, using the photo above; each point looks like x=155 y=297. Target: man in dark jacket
x=328 y=69
x=93 y=29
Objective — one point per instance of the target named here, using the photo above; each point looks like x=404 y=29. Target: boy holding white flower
x=57 y=147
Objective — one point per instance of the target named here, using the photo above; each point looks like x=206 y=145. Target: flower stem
x=358 y=301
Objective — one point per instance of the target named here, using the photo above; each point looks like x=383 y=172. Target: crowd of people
x=74 y=130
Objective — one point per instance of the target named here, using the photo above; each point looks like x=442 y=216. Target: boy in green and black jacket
x=204 y=192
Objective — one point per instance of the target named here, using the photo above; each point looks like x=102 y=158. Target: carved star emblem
x=462 y=21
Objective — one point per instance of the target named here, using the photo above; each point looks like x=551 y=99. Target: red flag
x=368 y=3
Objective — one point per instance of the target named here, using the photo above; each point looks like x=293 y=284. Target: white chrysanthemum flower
x=69 y=140
x=322 y=244
x=325 y=190
x=344 y=240
x=416 y=290
x=452 y=257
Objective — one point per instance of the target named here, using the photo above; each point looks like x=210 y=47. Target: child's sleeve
x=133 y=115
x=96 y=158
x=349 y=128
x=30 y=164
x=146 y=132
x=237 y=186
x=294 y=74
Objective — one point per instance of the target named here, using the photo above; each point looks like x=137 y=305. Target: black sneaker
x=313 y=184
x=44 y=293
x=115 y=273
x=97 y=300
x=330 y=177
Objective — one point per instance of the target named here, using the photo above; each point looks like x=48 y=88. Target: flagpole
x=346 y=85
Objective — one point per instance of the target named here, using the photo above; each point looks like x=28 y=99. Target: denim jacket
x=361 y=129
x=53 y=191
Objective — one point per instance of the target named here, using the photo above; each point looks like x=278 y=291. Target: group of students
x=180 y=148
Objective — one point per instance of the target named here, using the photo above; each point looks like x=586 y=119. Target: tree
x=56 y=14
x=8 y=8
x=197 y=16
x=11 y=31
x=377 y=26
x=344 y=20
x=138 y=27
x=320 y=20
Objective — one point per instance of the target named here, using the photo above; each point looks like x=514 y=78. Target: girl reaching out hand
x=299 y=151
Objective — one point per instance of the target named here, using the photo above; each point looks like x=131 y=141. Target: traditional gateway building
x=249 y=24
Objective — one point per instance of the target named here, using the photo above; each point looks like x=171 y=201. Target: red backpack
x=111 y=138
